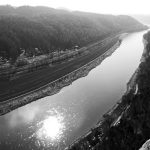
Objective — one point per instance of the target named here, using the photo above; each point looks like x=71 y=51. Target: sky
x=97 y=6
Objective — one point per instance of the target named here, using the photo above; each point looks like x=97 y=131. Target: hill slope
x=49 y=29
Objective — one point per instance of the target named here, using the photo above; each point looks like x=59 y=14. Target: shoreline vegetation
x=12 y=72
x=55 y=86
x=42 y=30
x=126 y=125
x=37 y=75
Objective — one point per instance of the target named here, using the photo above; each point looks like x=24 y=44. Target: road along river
x=54 y=122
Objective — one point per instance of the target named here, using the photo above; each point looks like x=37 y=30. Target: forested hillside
x=48 y=29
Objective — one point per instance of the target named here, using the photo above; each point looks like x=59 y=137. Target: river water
x=54 y=122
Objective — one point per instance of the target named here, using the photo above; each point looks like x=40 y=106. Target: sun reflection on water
x=50 y=130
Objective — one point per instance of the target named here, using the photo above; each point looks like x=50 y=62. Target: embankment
x=55 y=86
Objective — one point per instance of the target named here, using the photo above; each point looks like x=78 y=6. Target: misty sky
x=98 y=6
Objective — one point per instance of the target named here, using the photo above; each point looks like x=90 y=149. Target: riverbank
x=25 y=65
x=39 y=77
x=126 y=125
x=55 y=86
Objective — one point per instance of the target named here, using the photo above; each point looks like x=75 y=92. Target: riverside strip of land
x=33 y=80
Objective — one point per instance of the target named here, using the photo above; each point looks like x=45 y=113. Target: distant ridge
x=143 y=18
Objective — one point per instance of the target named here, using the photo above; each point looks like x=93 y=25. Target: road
x=33 y=80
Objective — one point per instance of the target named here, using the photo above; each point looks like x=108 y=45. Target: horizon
x=115 y=7
x=69 y=10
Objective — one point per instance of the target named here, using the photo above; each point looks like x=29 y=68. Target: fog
x=97 y=6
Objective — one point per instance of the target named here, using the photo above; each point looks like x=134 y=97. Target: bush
x=21 y=62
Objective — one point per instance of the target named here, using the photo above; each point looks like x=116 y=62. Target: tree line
x=51 y=29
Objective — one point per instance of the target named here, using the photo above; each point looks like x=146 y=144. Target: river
x=54 y=122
